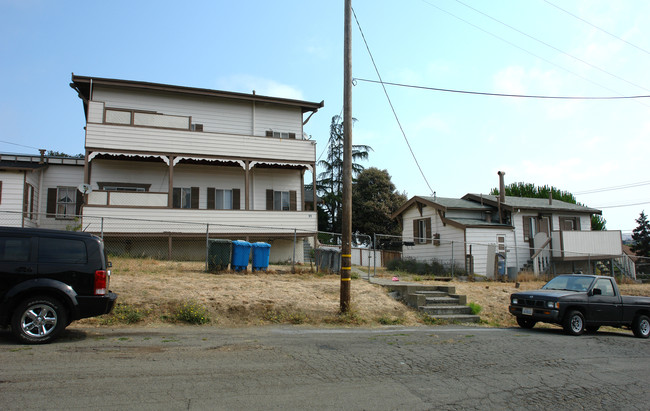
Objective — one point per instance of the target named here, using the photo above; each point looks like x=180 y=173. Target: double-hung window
x=281 y=200
x=222 y=199
x=66 y=202
x=182 y=197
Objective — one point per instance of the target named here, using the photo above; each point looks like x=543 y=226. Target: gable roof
x=442 y=204
x=536 y=204
x=83 y=85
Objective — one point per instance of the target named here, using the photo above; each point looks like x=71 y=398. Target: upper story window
x=145 y=119
x=128 y=187
x=280 y=134
x=223 y=199
x=185 y=197
x=281 y=200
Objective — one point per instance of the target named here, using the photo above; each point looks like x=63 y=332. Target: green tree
x=529 y=190
x=51 y=153
x=641 y=237
x=374 y=200
x=330 y=180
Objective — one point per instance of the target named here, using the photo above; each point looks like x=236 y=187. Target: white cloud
x=262 y=86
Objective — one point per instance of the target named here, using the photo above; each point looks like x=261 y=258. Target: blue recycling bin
x=261 y=253
x=241 y=251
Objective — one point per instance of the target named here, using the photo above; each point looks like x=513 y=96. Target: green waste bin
x=219 y=254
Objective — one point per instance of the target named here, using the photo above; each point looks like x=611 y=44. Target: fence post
x=374 y=255
x=452 y=259
x=293 y=262
x=102 y=228
x=207 y=246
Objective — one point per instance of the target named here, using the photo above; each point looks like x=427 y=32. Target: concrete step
x=441 y=301
x=460 y=318
x=434 y=293
x=445 y=309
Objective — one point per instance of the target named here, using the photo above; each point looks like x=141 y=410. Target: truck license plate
x=527 y=311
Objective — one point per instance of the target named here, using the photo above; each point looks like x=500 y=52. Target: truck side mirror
x=596 y=291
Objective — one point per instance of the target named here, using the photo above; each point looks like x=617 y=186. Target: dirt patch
x=152 y=290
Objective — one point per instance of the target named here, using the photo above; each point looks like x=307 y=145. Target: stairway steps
x=445 y=309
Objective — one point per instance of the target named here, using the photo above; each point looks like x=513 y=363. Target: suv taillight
x=101 y=282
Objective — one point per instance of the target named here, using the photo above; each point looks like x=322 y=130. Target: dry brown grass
x=157 y=288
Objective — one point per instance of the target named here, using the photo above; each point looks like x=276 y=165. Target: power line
x=20 y=145
x=623 y=205
x=502 y=94
x=551 y=46
x=390 y=102
x=521 y=48
x=596 y=27
x=621 y=187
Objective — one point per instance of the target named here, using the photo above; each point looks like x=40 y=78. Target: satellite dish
x=85 y=188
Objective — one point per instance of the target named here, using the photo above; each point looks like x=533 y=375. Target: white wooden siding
x=217 y=115
x=481 y=238
x=110 y=137
x=58 y=176
x=451 y=239
x=117 y=171
x=12 y=198
x=158 y=221
x=277 y=118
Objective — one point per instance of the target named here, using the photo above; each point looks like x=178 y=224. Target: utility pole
x=346 y=231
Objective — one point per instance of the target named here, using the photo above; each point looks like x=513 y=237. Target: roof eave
x=82 y=85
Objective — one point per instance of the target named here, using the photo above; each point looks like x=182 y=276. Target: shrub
x=192 y=313
x=432 y=268
x=475 y=307
x=124 y=314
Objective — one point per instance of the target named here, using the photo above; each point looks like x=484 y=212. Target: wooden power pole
x=346 y=231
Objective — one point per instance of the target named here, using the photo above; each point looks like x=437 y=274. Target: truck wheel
x=641 y=326
x=38 y=320
x=574 y=323
x=526 y=323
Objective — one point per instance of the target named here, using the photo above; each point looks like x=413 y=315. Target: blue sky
x=294 y=49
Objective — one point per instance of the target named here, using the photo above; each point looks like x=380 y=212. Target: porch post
x=246 y=185
x=170 y=195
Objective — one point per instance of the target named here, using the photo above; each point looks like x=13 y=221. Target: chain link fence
x=501 y=261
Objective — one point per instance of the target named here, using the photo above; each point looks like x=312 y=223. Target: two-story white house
x=501 y=235
x=30 y=185
x=165 y=161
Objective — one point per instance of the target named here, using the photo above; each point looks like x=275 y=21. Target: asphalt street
x=442 y=368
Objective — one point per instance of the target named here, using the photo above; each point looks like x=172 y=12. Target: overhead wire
x=390 y=102
x=20 y=145
x=551 y=46
x=597 y=27
x=621 y=187
x=503 y=94
x=521 y=48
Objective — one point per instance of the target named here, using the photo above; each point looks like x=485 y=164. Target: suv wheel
x=641 y=326
x=38 y=320
x=574 y=323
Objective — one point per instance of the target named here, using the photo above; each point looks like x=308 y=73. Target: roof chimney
x=502 y=188
x=550 y=197
x=42 y=160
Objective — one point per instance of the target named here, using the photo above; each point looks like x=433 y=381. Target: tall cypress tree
x=641 y=237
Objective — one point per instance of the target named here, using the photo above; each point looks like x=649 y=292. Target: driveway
x=447 y=368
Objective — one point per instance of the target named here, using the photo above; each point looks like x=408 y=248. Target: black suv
x=48 y=279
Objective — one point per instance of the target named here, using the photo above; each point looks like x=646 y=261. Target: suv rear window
x=14 y=249
x=62 y=250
